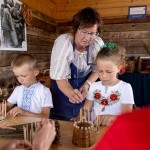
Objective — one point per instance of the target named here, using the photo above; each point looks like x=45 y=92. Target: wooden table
x=66 y=130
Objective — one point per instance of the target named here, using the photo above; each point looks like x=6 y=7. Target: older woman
x=72 y=64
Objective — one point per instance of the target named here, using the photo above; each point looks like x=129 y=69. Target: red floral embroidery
x=104 y=102
x=114 y=97
x=97 y=95
x=109 y=100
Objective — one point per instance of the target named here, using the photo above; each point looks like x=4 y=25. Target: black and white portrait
x=12 y=26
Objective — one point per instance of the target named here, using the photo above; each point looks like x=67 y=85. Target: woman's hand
x=15 y=112
x=106 y=119
x=18 y=145
x=84 y=89
x=76 y=96
x=44 y=135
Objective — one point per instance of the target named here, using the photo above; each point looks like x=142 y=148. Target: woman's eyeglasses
x=86 y=33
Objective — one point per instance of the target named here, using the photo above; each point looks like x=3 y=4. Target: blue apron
x=63 y=109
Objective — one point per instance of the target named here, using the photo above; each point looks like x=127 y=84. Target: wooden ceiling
x=63 y=10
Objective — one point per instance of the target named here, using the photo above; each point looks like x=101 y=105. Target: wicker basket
x=83 y=135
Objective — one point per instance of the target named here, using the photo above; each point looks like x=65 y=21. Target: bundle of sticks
x=28 y=131
x=30 y=128
x=87 y=116
x=3 y=109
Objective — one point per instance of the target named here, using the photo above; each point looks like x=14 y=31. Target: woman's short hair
x=86 y=17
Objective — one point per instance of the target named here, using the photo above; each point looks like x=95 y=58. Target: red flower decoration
x=104 y=102
x=97 y=95
x=114 y=97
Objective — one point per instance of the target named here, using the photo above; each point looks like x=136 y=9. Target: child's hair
x=22 y=59
x=113 y=52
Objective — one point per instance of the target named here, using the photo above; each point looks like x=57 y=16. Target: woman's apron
x=63 y=108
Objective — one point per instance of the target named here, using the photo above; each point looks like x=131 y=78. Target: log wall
x=40 y=37
x=134 y=36
x=51 y=18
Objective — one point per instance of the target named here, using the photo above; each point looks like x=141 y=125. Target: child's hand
x=107 y=119
x=44 y=135
x=17 y=144
x=15 y=112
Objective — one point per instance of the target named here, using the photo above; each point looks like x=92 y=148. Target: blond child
x=110 y=96
x=31 y=97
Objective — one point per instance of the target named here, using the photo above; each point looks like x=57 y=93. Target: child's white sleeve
x=127 y=95
x=47 y=98
x=13 y=97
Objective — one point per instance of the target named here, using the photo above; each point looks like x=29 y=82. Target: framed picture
x=137 y=12
x=12 y=26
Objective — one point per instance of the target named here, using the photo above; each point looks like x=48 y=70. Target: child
x=31 y=97
x=110 y=96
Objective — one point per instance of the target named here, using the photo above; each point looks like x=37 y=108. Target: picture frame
x=12 y=26
x=137 y=12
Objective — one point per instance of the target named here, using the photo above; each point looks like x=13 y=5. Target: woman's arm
x=93 y=77
x=85 y=87
x=74 y=95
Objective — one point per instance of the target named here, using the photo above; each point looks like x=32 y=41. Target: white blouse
x=63 y=55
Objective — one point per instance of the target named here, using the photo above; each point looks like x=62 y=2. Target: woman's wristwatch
x=88 y=82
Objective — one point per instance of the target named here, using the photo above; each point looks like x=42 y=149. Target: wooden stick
x=2 y=110
x=25 y=132
x=80 y=114
x=5 y=108
x=30 y=136
x=32 y=131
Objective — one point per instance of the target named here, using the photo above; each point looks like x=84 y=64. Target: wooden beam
x=126 y=35
x=35 y=19
x=109 y=20
x=46 y=7
x=74 y=7
x=126 y=27
x=105 y=12
x=42 y=25
x=124 y=19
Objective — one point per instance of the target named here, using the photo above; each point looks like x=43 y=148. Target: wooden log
x=37 y=32
x=129 y=42
x=35 y=40
x=126 y=27
x=121 y=19
x=126 y=35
